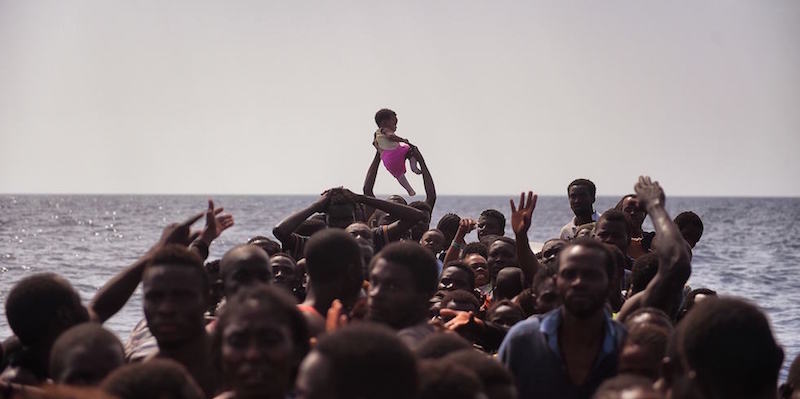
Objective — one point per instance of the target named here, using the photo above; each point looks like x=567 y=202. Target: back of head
x=420 y=262
x=250 y=256
x=40 y=307
x=690 y=225
x=626 y=386
x=159 y=378
x=496 y=379
x=729 y=346
x=461 y=300
x=332 y=254
x=369 y=361
x=475 y=247
x=85 y=354
x=510 y=282
x=448 y=224
x=439 y=345
x=270 y=246
x=383 y=114
x=180 y=257
x=643 y=351
x=309 y=227
x=644 y=269
x=446 y=379
x=648 y=315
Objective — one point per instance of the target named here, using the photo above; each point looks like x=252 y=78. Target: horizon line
x=439 y=195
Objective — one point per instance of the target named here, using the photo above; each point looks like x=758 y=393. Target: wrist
x=457 y=245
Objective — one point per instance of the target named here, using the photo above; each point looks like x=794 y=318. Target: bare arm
x=283 y=231
x=521 y=223
x=116 y=292
x=369 y=182
x=465 y=226
x=427 y=179
x=674 y=261
x=406 y=215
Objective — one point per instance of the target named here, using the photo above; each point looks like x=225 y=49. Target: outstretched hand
x=216 y=223
x=179 y=233
x=521 y=218
x=465 y=226
x=648 y=192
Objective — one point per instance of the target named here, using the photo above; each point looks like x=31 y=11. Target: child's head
x=386 y=118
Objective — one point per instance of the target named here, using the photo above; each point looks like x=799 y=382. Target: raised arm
x=674 y=261
x=521 y=223
x=115 y=293
x=465 y=226
x=369 y=182
x=216 y=223
x=427 y=179
x=406 y=215
x=283 y=231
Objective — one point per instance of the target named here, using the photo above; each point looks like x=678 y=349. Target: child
x=393 y=148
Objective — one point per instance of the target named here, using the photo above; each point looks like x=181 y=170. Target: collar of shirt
x=552 y=320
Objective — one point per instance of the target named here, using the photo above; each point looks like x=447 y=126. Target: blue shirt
x=531 y=352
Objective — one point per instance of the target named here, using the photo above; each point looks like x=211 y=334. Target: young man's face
x=173 y=303
x=393 y=298
x=478 y=265
x=432 y=241
x=489 y=225
x=613 y=233
x=580 y=200
x=453 y=278
x=501 y=255
x=582 y=282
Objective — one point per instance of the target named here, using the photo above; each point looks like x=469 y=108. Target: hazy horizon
x=255 y=98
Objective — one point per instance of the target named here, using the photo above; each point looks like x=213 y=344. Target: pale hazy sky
x=273 y=97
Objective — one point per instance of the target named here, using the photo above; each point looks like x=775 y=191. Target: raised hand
x=216 y=223
x=521 y=218
x=465 y=226
x=179 y=233
x=648 y=192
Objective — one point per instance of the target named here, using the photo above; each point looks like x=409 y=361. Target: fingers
x=217 y=211
x=192 y=220
x=513 y=208
x=334 y=316
x=532 y=200
x=194 y=236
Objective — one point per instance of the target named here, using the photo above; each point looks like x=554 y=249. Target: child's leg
x=413 y=164
x=406 y=185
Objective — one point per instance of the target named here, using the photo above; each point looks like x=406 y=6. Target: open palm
x=521 y=218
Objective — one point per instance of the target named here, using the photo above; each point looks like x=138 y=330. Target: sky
x=278 y=97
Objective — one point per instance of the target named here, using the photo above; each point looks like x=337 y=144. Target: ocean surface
x=750 y=247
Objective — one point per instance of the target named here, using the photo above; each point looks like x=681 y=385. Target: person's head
x=643 y=351
x=259 y=340
x=157 y=378
x=648 y=316
x=270 y=246
x=386 y=118
x=244 y=266
x=403 y=277
x=496 y=379
x=552 y=247
x=312 y=225
x=363 y=235
x=84 y=355
x=175 y=295
x=691 y=227
x=627 y=386
x=363 y=360
x=585 y=267
x=457 y=276
x=491 y=221
x=502 y=254
x=40 y=307
x=440 y=344
x=448 y=225
x=726 y=349
x=461 y=300
x=446 y=379
x=505 y=313
x=614 y=228
x=334 y=265
x=544 y=291
x=424 y=224
x=341 y=211
x=216 y=288
x=644 y=269
x=510 y=282
x=631 y=206
x=479 y=266
x=475 y=247
x=433 y=240
x=694 y=297
x=585 y=230
x=581 y=193
x=285 y=271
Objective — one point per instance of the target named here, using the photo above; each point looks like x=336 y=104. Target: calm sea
x=750 y=246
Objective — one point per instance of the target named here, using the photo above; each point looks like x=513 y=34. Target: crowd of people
x=358 y=297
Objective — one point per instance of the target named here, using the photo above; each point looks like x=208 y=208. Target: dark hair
x=280 y=306
x=285 y=255
x=510 y=281
x=496 y=215
x=157 y=378
x=180 y=257
x=439 y=345
x=422 y=206
x=541 y=276
x=527 y=302
x=309 y=227
x=42 y=306
x=460 y=265
x=91 y=336
x=446 y=379
x=505 y=302
x=689 y=301
x=420 y=262
x=689 y=217
x=383 y=114
x=618 y=206
x=583 y=182
x=613 y=215
x=662 y=319
x=449 y=222
x=614 y=388
x=496 y=379
x=475 y=247
x=331 y=254
x=504 y=239
x=369 y=361
x=610 y=264
x=644 y=269
x=270 y=246
x=460 y=296
x=728 y=343
x=652 y=341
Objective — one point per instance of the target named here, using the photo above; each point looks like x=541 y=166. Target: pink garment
x=395 y=160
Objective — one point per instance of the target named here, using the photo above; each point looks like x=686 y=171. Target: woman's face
x=258 y=355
